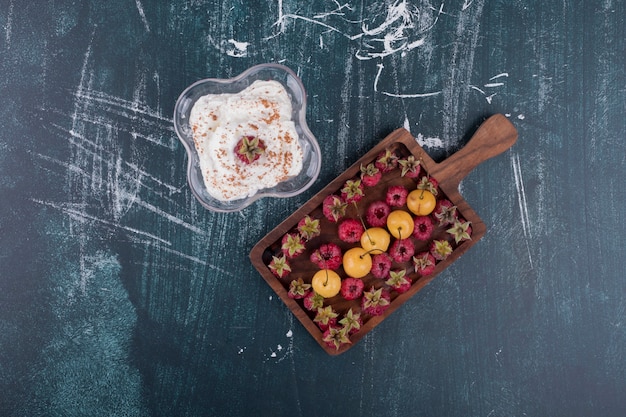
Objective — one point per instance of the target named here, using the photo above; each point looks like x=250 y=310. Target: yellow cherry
x=357 y=262
x=421 y=202
x=375 y=240
x=400 y=224
x=326 y=283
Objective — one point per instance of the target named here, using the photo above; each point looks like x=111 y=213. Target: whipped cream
x=219 y=121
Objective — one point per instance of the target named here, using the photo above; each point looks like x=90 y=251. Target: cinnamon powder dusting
x=220 y=127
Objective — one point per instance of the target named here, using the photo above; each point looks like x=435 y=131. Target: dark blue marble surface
x=121 y=296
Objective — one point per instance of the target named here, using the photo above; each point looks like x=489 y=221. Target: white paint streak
x=130 y=109
x=283 y=17
x=521 y=200
x=76 y=223
x=237 y=49
x=429 y=142
x=142 y=14
x=170 y=217
x=489 y=97
x=8 y=28
x=394 y=28
x=83 y=217
x=190 y=258
x=399 y=11
x=407 y=124
x=339 y=11
x=415 y=95
x=380 y=70
x=98 y=154
x=83 y=83
x=395 y=33
x=478 y=89
x=495 y=77
x=455 y=92
x=103 y=183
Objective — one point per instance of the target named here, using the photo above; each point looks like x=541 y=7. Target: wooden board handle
x=494 y=136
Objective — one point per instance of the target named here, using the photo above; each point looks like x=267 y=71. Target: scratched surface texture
x=121 y=296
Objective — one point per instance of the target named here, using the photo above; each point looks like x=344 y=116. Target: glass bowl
x=311 y=151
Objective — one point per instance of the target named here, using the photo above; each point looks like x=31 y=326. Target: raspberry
x=370 y=175
x=428 y=183
x=352 y=191
x=249 y=148
x=410 y=167
x=325 y=317
x=423 y=227
x=375 y=301
x=381 y=265
x=350 y=230
x=396 y=196
x=327 y=256
x=402 y=250
x=445 y=212
x=351 y=322
x=351 y=288
x=309 y=227
x=386 y=161
x=440 y=249
x=298 y=289
x=292 y=245
x=461 y=230
x=312 y=301
x=335 y=337
x=399 y=281
x=376 y=214
x=424 y=263
x=279 y=266
x=334 y=208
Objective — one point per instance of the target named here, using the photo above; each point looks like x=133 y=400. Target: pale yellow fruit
x=421 y=202
x=357 y=262
x=326 y=283
x=400 y=224
x=375 y=240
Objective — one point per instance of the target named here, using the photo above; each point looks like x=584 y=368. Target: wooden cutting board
x=493 y=137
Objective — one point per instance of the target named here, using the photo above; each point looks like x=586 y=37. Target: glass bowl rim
x=305 y=135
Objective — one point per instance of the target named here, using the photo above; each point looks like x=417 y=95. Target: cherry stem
x=356 y=207
x=368 y=252
x=326 y=282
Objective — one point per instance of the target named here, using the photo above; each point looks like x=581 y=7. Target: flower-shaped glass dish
x=310 y=148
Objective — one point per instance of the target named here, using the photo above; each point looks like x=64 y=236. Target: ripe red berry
x=424 y=263
x=351 y=288
x=334 y=208
x=327 y=256
x=381 y=265
x=402 y=250
x=376 y=214
x=350 y=230
x=249 y=148
x=396 y=196
x=370 y=175
x=423 y=228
